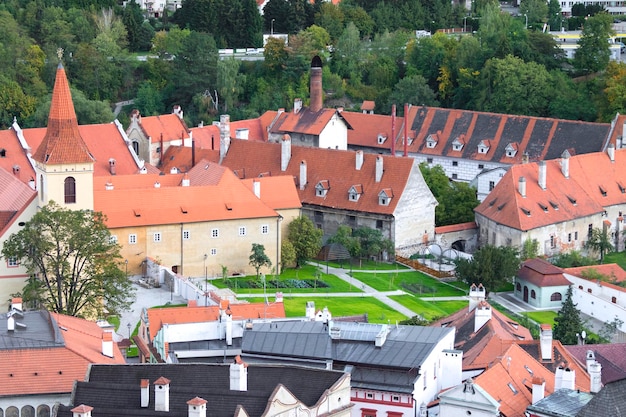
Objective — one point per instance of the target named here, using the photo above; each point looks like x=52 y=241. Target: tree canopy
x=567 y=323
x=75 y=273
x=305 y=238
x=492 y=266
x=258 y=258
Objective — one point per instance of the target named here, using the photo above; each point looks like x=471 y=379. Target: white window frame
x=186 y=234
x=157 y=237
x=132 y=239
x=215 y=233
x=213 y=251
x=13 y=262
x=242 y=231
x=265 y=229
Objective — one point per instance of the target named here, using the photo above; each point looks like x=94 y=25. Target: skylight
x=512 y=388
x=526 y=211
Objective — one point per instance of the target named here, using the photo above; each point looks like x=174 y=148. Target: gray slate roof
x=114 y=390
x=41 y=331
x=562 y=403
x=610 y=401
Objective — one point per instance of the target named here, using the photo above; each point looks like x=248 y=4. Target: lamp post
x=272 y=27
x=465 y=24
x=128 y=326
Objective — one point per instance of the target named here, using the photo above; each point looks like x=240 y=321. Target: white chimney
x=476 y=295
x=522 y=186
x=82 y=411
x=379 y=168
x=381 y=337
x=285 y=152
x=31 y=183
x=279 y=297
x=242 y=133
x=594 y=369
x=359 y=160
x=162 y=394
x=545 y=342
x=229 y=328
x=178 y=111
x=16 y=303
x=107 y=344
x=112 y=166
x=303 y=179
x=157 y=185
x=611 y=151
x=238 y=375
x=256 y=187
x=10 y=324
x=224 y=126
x=482 y=315
x=297 y=105
x=185 y=182
x=565 y=163
x=310 y=310
x=542 y=175
x=539 y=389
x=173 y=170
x=564 y=378
x=197 y=407
x=109 y=186
x=145 y=392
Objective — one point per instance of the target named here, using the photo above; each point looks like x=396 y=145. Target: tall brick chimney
x=316 y=85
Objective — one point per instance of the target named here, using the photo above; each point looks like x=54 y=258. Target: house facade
x=541 y=284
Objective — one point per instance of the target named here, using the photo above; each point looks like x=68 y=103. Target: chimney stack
x=539 y=389
x=238 y=375
x=112 y=166
x=522 y=186
x=162 y=394
x=379 y=168
x=594 y=369
x=406 y=129
x=359 y=160
x=178 y=111
x=197 y=407
x=482 y=315
x=565 y=163
x=611 y=151
x=476 y=295
x=256 y=186
x=297 y=105
x=316 y=85
x=229 y=328
x=564 y=377
x=310 y=310
x=393 y=130
x=16 y=303
x=82 y=411
x=193 y=153
x=545 y=342
x=303 y=178
x=542 y=175
x=185 y=182
x=16 y=170
x=145 y=392
x=285 y=152
x=224 y=135
x=107 y=344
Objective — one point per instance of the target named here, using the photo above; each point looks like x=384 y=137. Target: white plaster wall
x=465 y=170
x=382 y=402
x=481 y=182
x=598 y=303
x=335 y=134
x=34 y=401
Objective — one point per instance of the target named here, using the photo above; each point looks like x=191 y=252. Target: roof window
x=381 y=138
x=554 y=205
x=525 y=211
x=602 y=191
x=571 y=200
x=512 y=388
x=354 y=193
x=431 y=141
x=483 y=146
x=321 y=188
x=385 y=196
x=543 y=207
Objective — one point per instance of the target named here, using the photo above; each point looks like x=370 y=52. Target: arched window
x=1 y=412
x=41 y=187
x=580 y=287
x=533 y=294
x=614 y=300
x=556 y=296
x=70 y=190
x=518 y=287
x=12 y=412
x=43 y=411
x=28 y=411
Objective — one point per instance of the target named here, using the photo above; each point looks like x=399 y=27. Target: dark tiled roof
x=562 y=403
x=114 y=390
x=611 y=356
x=610 y=401
x=40 y=332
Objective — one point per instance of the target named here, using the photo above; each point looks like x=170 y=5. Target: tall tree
x=372 y=243
x=305 y=238
x=599 y=241
x=258 y=258
x=79 y=272
x=567 y=323
x=230 y=82
x=493 y=266
x=593 y=52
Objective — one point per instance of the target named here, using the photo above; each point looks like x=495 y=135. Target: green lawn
x=542 y=317
x=342 y=306
x=430 y=310
x=365 y=265
x=414 y=282
x=616 y=258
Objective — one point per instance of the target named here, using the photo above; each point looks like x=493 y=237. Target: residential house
x=610 y=401
x=468 y=399
x=198 y=390
x=481 y=332
x=563 y=402
x=558 y=203
x=42 y=354
x=540 y=284
x=610 y=356
x=395 y=370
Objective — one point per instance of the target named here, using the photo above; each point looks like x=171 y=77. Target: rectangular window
x=215 y=232
x=113 y=239
x=455 y=163
x=186 y=234
x=454 y=176
x=157 y=236
x=552 y=242
x=379 y=224
x=242 y=230
x=265 y=229
x=12 y=262
x=480 y=166
x=429 y=160
x=569 y=237
x=575 y=235
x=589 y=231
x=369 y=395
x=213 y=251
x=492 y=184
x=132 y=239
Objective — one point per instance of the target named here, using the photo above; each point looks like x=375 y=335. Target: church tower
x=63 y=163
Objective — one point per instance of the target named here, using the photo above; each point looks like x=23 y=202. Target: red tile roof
x=542 y=273
x=14 y=198
x=368 y=105
x=613 y=271
x=456 y=227
x=15 y=155
x=611 y=356
x=277 y=192
x=169 y=127
x=305 y=121
x=62 y=143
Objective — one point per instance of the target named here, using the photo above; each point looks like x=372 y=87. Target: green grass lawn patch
x=377 y=312
x=616 y=258
x=413 y=282
x=542 y=317
x=430 y=310
x=364 y=265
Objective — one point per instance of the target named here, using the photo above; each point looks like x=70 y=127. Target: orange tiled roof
x=368 y=105
x=456 y=227
x=305 y=121
x=179 y=315
x=14 y=197
x=168 y=127
x=180 y=157
x=337 y=166
x=613 y=271
x=62 y=143
x=277 y=192
x=542 y=273
x=12 y=154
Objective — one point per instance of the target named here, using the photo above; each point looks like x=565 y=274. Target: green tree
x=535 y=10
x=372 y=242
x=599 y=241
x=530 y=249
x=305 y=238
x=593 y=52
x=413 y=90
x=230 y=82
x=330 y=17
x=87 y=111
x=258 y=258
x=493 y=266
x=567 y=323
x=610 y=329
x=344 y=237
x=80 y=272
x=572 y=259
x=287 y=254
x=414 y=321
x=149 y=101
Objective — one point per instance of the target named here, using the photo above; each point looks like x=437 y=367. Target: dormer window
x=382 y=138
x=431 y=141
x=483 y=146
x=385 y=196
x=354 y=193
x=457 y=144
x=322 y=187
x=511 y=150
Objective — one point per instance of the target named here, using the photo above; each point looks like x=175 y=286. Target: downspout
x=181 y=249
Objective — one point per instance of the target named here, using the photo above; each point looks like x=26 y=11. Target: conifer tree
x=568 y=324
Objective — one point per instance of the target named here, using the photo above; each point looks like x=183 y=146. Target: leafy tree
x=229 y=82
x=372 y=242
x=79 y=272
x=530 y=249
x=414 y=321
x=567 y=323
x=344 y=237
x=305 y=238
x=149 y=101
x=610 y=329
x=87 y=111
x=593 y=52
x=615 y=90
x=275 y=54
x=347 y=52
x=169 y=42
x=258 y=258
x=287 y=254
x=571 y=260
x=493 y=266
x=357 y=16
x=330 y=17
x=599 y=241
x=413 y=90
x=133 y=19
x=536 y=10
x=13 y=102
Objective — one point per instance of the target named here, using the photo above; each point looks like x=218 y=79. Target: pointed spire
x=62 y=143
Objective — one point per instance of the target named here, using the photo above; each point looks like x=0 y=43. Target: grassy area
x=365 y=265
x=414 y=282
x=377 y=312
x=616 y=258
x=542 y=317
x=307 y=272
x=430 y=310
